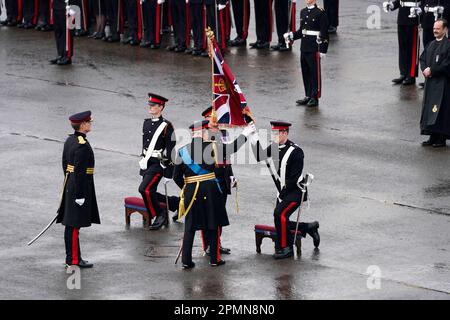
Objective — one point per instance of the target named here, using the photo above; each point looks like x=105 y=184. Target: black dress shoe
x=92 y=35
x=46 y=28
x=205 y=54
x=422 y=84
x=171 y=48
x=398 y=80
x=196 y=52
x=54 y=61
x=224 y=250
x=313 y=103
x=409 y=81
x=82 y=33
x=179 y=49
x=11 y=23
x=85 y=264
x=217 y=264
x=276 y=47
x=303 y=102
x=284 y=48
x=21 y=25
x=253 y=45
x=439 y=144
x=155 y=46
x=145 y=44
x=238 y=42
x=99 y=36
x=134 y=42
x=189 y=265
x=160 y=221
x=284 y=253
x=313 y=231
x=127 y=40
x=38 y=28
x=114 y=38
x=428 y=143
x=4 y=22
x=188 y=50
x=29 y=26
x=263 y=45
x=76 y=33
x=175 y=217
x=64 y=61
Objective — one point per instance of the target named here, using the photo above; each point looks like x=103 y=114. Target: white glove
x=414 y=12
x=143 y=164
x=288 y=36
x=165 y=180
x=233 y=182
x=221 y=7
x=249 y=129
x=388 y=6
x=187 y=1
x=161 y=1
x=440 y=10
x=322 y=55
x=79 y=202
x=254 y=138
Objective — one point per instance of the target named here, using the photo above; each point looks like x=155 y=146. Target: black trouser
x=12 y=10
x=30 y=11
x=437 y=137
x=134 y=13
x=180 y=14
x=112 y=11
x=59 y=21
x=282 y=18
x=241 y=13
x=214 y=244
x=428 y=36
x=152 y=21
x=332 y=9
x=311 y=73
x=198 y=24
x=45 y=13
x=263 y=20
x=205 y=238
x=148 y=188
x=408 y=43
x=283 y=210
x=72 y=241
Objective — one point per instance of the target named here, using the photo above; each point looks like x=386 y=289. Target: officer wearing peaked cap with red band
x=158 y=141
x=289 y=165
x=78 y=208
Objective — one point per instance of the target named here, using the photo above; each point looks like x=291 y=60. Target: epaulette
x=81 y=140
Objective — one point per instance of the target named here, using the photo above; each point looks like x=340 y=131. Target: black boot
x=284 y=253
x=409 y=81
x=64 y=61
x=314 y=233
x=303 y=102
x=313 y=103
x=160 y=221
x=399 y=80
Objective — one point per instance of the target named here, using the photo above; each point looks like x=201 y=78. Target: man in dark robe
x=435 y=66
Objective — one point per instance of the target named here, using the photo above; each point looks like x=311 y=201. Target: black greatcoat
x=436 y=102
x=78 y=153
x=208 y=211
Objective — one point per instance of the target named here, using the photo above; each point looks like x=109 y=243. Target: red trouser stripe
x=227 y=21
x=121 y=26
x=222 y=30
x=414 y=53
x=283 y=224
x=75 y=252
x=245 y=31
x=147 y=193
x=158 y=22
x=218 y=244
x=139 y=19
x=51 y=12
x=271 y=20
x=19 y=11
x=293 y=18
x=36 y=11
x=204 y=27
x=169 y=16
x=188 y=25
x=319 y=75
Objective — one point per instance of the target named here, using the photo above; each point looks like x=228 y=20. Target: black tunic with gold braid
x=78 y=165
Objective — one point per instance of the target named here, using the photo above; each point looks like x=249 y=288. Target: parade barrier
x=136 y=204
x=265 y=231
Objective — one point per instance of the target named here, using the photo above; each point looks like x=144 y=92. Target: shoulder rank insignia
x=81 y=140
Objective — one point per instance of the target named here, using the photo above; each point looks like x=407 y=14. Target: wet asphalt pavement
x=381 y=199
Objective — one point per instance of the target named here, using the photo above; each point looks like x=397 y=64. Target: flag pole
x=210 y=35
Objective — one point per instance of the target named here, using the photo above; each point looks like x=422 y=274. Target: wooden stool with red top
x=265 y=231
x=136 y=204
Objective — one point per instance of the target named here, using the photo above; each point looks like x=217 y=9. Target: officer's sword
x=308 y=176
